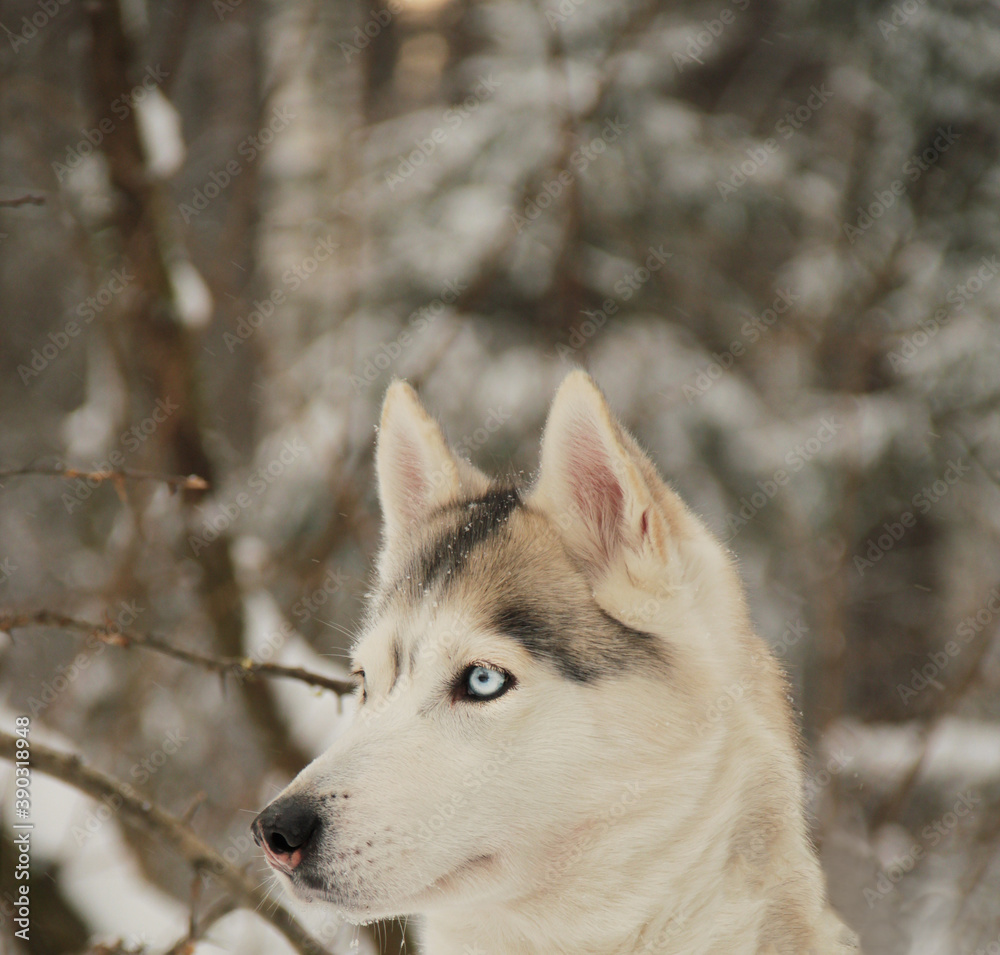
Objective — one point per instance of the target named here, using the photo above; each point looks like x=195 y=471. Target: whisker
x=333 y=625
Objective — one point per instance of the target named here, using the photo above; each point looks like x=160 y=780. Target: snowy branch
x=191 y=482
x=126 y=637
x=166 y=828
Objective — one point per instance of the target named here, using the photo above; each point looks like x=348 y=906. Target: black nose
x=285 y=829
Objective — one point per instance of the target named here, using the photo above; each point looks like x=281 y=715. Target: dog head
x=528 y=680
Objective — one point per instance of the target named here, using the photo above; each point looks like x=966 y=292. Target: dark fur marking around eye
x=646 y=643
x=584 y=643
x=479 y=519
x=535 y=632
x=397 y=660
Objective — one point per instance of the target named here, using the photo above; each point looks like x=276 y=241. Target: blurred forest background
x=770 y=230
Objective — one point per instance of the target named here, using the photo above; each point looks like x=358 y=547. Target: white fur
x=654 y=810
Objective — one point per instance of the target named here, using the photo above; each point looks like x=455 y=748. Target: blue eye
x=485 y=683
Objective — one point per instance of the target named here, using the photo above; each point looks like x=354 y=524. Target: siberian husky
x=569 y=738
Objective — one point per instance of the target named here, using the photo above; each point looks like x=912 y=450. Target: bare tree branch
x=28 y=200
x=158 y=822
x=179 y=482
x=200 y=925
x=159 y=348
x=126 y=637
x=954 y=693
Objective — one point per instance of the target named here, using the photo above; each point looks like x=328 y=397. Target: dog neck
x=701 y=879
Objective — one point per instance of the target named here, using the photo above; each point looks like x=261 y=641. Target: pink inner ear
x=596 y=489
x=410 y=488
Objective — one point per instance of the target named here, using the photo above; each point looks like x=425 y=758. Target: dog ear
x=417 y=471
x=595 y=483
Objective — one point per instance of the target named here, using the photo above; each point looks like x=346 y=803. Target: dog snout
x=285 y=830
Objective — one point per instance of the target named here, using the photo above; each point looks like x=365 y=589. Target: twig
x=158 y=822
x=157 y=350
x=189 y=483
x=201 y=925
x=954 y=693
x=126 y=637
x=28 y=200
x=987 y=836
